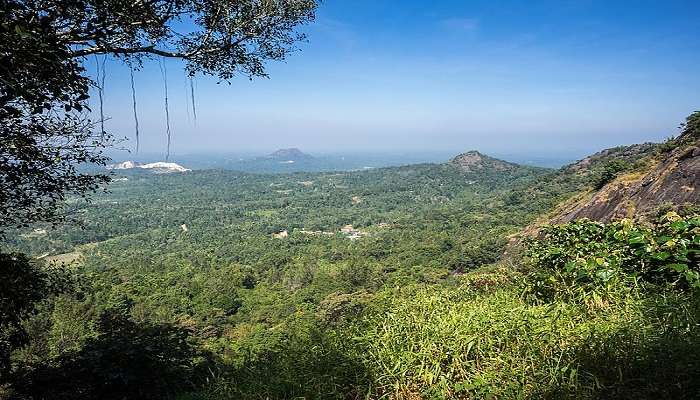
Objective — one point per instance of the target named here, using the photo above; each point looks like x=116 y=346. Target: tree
x=23 y=286
x=45 y=129
x=127 y=360
x=690 y=130
x=610 y=171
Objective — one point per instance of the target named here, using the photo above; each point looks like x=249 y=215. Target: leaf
x=679 y=225
x=605 y=275
x=678 y=267
x=637 y=238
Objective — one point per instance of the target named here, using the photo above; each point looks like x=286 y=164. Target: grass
x=473 y=342
x=484 y=339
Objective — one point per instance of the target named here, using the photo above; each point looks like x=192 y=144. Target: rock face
x=165 y=167
x=473 y=161
x=627 y=153
x=671 y=182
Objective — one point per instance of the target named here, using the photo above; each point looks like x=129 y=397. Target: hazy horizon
x=572 y=78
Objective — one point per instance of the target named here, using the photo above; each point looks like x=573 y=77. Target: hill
x=291 y=154
x=383 y=283
x=155 y=167
x=473 y=161
x=639 y=181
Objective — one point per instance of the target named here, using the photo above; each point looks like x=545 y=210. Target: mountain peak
x=473 y=160
x=290 y=154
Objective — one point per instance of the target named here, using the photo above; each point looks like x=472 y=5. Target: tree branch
x=128 y=50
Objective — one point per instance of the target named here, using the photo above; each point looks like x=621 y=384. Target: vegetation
x=414 y=308
x=378 y=284
x=585 y=253
x=611 y=170
x=47 y=137
x=24 y=287
x=46 y=132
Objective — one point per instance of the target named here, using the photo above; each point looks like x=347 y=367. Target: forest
x=182 y=286
x=475 y=278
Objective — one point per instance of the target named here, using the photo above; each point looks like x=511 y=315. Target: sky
x=539 y=78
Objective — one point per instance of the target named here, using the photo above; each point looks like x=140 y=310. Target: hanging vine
x=194 y=106
x=100 y=83
x=187 y=100
x=164 y=73
x=136 y=117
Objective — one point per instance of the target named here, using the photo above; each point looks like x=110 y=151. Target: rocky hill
x=473 y=161
x=156 y=167
x=659 y=177
x=628 y=154
x=292 y=154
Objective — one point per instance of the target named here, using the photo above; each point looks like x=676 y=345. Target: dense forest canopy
x=386 y=282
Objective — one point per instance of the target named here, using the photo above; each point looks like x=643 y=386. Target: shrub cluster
x=586 y=256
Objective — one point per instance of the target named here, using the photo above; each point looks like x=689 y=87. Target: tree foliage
x=23 y=286
x=126 y=360
x=45 y=129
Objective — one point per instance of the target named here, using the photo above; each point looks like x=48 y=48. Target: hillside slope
x=665 y=180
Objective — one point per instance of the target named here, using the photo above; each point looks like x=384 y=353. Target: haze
x=552 y=77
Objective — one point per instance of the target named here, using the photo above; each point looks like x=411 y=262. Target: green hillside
x=372 y=284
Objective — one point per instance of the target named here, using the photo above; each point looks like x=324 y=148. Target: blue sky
x=526 y=77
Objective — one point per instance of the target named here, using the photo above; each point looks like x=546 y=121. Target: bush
x=127 y=360
x=585 y=256
x=611 y=171
x=24 y=285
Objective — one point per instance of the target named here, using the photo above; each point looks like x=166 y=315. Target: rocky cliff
x=667 y=179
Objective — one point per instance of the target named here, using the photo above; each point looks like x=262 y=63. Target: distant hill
x=291 y=154
x=473 y=161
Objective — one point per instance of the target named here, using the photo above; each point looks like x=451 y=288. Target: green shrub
x=462 y=343
x=584 y=256
x=610 y=171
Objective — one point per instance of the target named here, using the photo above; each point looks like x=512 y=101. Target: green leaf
x=679 y=225
x=637 y=238
x=605 y=275
x=678 y=267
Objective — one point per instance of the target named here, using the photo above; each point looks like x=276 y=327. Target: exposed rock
x=165 y=167
x=281 y=235
x=671 y=182
x=123 y=165
x=157 y=167
x=473 y=161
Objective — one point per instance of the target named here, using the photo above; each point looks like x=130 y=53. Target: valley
x=311 y=273
x=349 y=200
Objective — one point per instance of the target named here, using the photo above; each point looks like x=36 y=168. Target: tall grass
x=459 y=343
x=486 y=340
